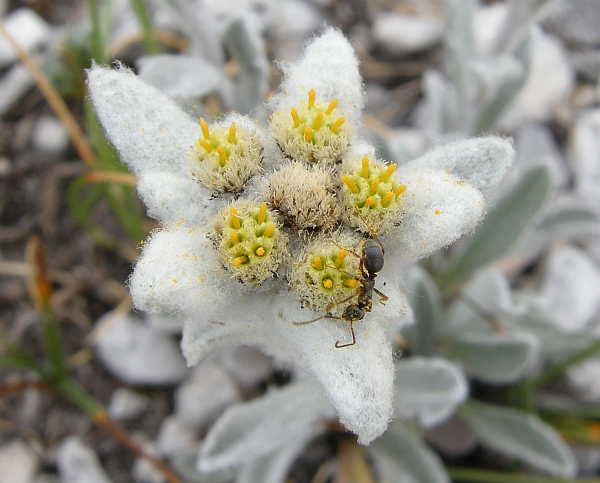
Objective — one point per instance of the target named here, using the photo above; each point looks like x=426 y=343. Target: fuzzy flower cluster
x=264 y=229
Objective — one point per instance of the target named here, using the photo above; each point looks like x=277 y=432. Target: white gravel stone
x=27 y=28
x=138 y=354
x=126 y=404
x=50 y=135
x=246 y=364
x=578 y=21
x=77 y=463
x=174 y=437
x=205 y=395
x=550 y=81
x=165 y=323
x=404 y=34
x=13 y=85
x=143 y=471
x=18 y=462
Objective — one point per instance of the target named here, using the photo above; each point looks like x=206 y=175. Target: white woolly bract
x=330 y=67
x=481 y=162
x=152 y=135
x=179 y=272
x=438 y=209
x=148 y=129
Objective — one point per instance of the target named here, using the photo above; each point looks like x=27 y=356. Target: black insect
x=371 y=263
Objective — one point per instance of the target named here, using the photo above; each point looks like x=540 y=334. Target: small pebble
x=405 y=34
x=18 y=462
x=27 y=28
x=77 y=463
x=139 y=354
x=50 y=135
x=205 y=395
x=126 y=404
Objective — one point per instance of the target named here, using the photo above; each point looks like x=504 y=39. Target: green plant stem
x=554 y=372
x=489 y=476
x=150 y=43
x=52 y=341
x=70 y=389
x=97 y=40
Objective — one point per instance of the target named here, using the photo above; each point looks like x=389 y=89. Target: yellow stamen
x=340 y=258
x=349 y=282
x=388 y=173
x=311 y=98
x=335 y=127
x=235 y=219
x=370 y=201
x=388 y=197
x=332 y=105
x=222 y=154
x=204 y=143
x=317 y=264
x=318 y=121
x=240 y=260
x=350 y=184
x=204 y=128
x=400 y=189
x=262 y=213
x=308 y=134
x=259 y=252
x=365 y=167
x=295 y=117
x=233 y=237
x=232 y=133
x=327 y=283
x=269 y=230
x=374 y=186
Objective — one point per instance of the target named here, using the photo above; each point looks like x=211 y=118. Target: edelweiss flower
x=242 y=264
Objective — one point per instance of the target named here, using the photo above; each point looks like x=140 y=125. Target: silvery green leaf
x=438 y=109
x=520 y=435
x=245 y=45
x=185 y=464
x=247 y=431
x=503 y=225
x=180 y=76
x=521 y=15
x=572 y=220
x=200 y=27
x=555 y=345
x=501 y=79
x=495 y=358
x=459 y=51
x=486 y=293
x=426 y=304
x=271 y=468
x=428 y=389
x=411 y=455
x=390 y=469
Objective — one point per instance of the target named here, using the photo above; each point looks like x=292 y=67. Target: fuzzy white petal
x=172 y=198
x=148 y=129
x=439 y=208
x=481 y=162
x=330 y=67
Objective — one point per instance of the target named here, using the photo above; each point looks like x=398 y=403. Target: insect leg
x=339 y=346
x=382 y=297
